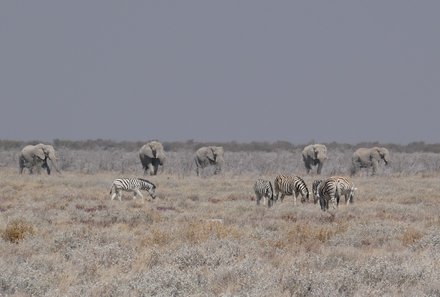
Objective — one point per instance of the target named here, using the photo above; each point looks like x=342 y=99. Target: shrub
x=16 y=230
x=411 y=236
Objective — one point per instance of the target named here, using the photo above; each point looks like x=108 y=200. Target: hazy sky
x=250 y=70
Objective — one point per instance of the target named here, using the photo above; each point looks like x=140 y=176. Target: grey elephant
x=369 y=157
x=36 y=156
x=152 y=155
x=314 y=154
x=209 y=156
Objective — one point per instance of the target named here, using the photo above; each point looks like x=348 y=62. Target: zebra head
x=315 y=190
x=269 y=191
x=149 y=187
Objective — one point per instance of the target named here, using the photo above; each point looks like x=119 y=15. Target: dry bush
x=411 y=236
x=16 y=230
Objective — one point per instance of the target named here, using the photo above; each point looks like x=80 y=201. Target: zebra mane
x=147 y=181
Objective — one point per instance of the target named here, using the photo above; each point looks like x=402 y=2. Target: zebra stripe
x=134 y=185
x=263 y=189
x=291 y=185
x=333 y=188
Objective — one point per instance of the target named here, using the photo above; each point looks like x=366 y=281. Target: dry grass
x=207 y=237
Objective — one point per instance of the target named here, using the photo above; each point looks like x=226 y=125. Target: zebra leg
x=269 y=202
x=282 y=197
x=119 y=194
x=258 y=199
x=334 y=202
x=322 y=203
x=137 y=192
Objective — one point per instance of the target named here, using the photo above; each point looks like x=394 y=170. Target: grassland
x=61 y=235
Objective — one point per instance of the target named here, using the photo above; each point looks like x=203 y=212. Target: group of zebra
x=324 y=190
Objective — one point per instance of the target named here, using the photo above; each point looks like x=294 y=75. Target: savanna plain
x=61 y=235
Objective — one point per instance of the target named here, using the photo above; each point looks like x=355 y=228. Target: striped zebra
x=290 y=185
x=333 y=188
x=263 y=189
x=134 y=185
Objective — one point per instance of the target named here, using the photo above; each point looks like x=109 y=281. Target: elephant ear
x=40 y=153
x=146 y=150
x=210 y=154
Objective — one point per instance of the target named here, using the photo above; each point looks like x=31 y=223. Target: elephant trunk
x=54 y=164
x=218 y=165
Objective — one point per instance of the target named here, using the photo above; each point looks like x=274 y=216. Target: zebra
x=263 y=189
x=290 y=185
x=132 y=185
x=331 y=190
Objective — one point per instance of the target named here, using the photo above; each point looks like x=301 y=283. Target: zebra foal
x=290 y=185
x=263 y=189
x=134 y=185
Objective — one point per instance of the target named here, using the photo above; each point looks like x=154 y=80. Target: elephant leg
x=20 y=165
x=375 y=164
x=308 y=167
x=354 y=168
x=150 y=169
x=217 y=170
x=46 y=166
x=319 y=168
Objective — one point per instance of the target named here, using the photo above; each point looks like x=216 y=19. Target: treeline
x=232 y=146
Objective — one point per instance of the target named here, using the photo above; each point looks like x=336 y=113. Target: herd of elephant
x=152 y=155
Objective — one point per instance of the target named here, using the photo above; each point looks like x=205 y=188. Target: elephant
x=314 y=154
x=36 y=156
x=207 y=156
x=152 y=155
x=369 y=157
